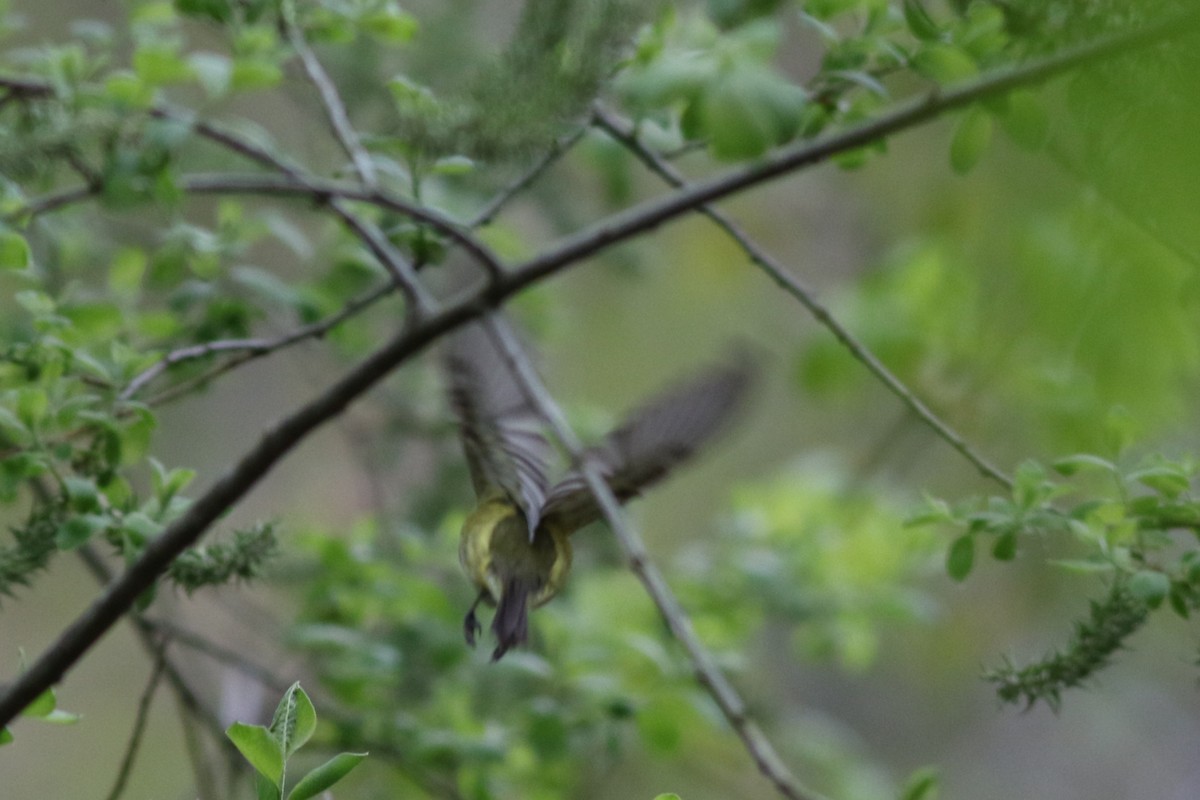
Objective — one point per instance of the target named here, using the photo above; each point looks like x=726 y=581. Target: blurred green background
x=1044 y=304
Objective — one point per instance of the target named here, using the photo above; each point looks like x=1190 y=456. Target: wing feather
x=502 y=437
x=651 y=442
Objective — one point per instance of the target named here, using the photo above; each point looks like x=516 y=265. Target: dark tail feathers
x=511 y=621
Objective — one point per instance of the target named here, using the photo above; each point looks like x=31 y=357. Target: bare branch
x=335 y=109
x=139 y=727
x=796 y=288
x=147 y=637
x=556 y=151
x=250 y=349
x=705 y=665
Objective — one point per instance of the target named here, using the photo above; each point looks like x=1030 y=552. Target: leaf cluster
x=1123 y=522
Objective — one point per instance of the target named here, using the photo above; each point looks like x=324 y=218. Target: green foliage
x=1122 y=526
x=1093 y=642
x=531 y=94
x=268 y=750
x=808 y=549
x=44 y=708
x=222 y=562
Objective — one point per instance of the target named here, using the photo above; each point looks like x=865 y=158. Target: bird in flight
x=515 y=544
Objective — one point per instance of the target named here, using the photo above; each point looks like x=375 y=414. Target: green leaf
x=325 y=775
x=42 y=706
x=749 y=110
x=213 y=71
x=453 y=165
x=669 y=796
x=294 y=721
x=1150 y=585
x=390 y=25
x=12 y=427
x=39 y=304
x=158 y=63
x=6 y=736
x=82 y=493
x=922 y=784
x=141 y=526
x=1166 y=481
x=79 y=530
x=265 y=790
x=255 y=73
x=944 y=63
x=126 y=89
x=972 y=136
x=662 y=722
x=260 y=749
x=961 y=557
x=14 y=251
x=1005 y=548
x=919 y=21
x=32 y=404
x=1083 y=462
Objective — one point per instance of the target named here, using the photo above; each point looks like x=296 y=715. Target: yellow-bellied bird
x=515 y=545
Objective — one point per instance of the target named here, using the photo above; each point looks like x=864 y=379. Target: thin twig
x=280 y=439
x=501 y=199
x=249 y=349
x=403 y=275
x=335 y=109
x=705 y=665
x=328 y=191
x=222 y=655
x=796 y=288
x=147 y=637
x=139 y=727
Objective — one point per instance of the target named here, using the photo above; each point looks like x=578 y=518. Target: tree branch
x=250 y=349
x=556 y=151
x=335 y=109
x=796 y=288
x=705 y=665
x=139 y=727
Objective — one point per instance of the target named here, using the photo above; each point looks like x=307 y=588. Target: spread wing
x=501 y=432
x=652 y=441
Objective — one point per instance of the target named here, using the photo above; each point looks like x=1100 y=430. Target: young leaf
x=294 y=721
x=258 y=746
x=944 y=63
x=919 y=21
x=1005 y=548
x=14 y=251
x=42 y=705
x=961 y=557
x=1083 y=462
x=1150 y=585
x=325 y=775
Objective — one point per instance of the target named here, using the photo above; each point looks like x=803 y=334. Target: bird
x=515 y=545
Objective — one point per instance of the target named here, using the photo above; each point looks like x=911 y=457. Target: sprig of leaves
x=268 y=749
x=1124 y=520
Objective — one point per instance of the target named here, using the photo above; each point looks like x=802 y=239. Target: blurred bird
x=515 y=544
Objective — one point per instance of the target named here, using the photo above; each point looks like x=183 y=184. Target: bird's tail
x=511 y=622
